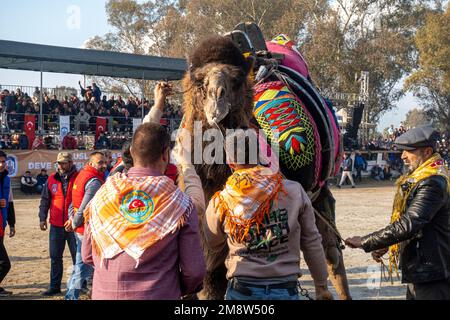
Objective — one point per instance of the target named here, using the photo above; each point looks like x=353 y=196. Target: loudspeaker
x=353 y=126
x=357 y=116
x=351 y=135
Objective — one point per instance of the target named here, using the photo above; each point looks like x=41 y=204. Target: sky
x=69 y=23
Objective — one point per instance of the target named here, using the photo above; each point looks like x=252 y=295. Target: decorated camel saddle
x=290 y=109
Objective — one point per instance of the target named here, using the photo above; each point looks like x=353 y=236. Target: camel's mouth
x=216 y=119
x=216 y=111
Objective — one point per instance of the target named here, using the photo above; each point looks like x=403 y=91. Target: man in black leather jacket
x=423 y=230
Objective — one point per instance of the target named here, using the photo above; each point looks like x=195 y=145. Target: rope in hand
x=335 y=231
x=383 y=276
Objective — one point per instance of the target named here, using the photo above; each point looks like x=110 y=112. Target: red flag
x=30 y=128
x=100 y=127
x=164 y=122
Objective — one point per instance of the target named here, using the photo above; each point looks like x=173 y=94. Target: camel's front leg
x=325 y=205
x=338 y=277
x=335 y=261
x=214 y=284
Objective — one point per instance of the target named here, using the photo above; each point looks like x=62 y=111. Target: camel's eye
x=200 y=82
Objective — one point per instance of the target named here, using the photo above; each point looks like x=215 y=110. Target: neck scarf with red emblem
x=132 y=214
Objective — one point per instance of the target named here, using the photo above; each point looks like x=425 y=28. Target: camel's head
x=218 y=85
x=218 y=73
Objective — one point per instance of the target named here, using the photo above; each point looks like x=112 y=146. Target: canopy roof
x=37 y=57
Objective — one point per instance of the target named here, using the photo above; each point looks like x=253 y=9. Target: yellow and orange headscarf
x=247 y=199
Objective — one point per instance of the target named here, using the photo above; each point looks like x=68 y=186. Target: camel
x=219 y=92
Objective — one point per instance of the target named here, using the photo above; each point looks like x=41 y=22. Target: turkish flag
x=30 y=128
x=100 y=127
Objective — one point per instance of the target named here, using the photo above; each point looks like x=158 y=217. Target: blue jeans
x=81 y=273
x=58 y=238
x=261 y=293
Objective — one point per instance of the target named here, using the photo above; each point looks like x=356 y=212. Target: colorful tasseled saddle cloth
x=285 y=120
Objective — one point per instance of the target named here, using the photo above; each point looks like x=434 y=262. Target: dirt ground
x=359 y=211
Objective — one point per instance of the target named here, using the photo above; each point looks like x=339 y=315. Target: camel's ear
x=249 y=63
x=197 y=76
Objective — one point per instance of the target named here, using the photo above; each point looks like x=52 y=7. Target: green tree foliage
x=134 y=26
x=338 y=38
x=188 y=22
x=373 y=36
x=431 y=80
x=416 y=117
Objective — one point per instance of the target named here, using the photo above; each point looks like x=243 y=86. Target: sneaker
x=4 y=293
x=51 y=292
x=339 y=186
x=353 y=187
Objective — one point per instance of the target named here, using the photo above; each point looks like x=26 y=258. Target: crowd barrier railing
x=15 y=123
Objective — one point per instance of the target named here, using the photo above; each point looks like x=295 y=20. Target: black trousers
x=27 y=189
x=436 y=290
x=58 y=239
x=358 y=174
x=5 y=264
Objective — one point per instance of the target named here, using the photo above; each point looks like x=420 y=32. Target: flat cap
x=419 y=137
x=64 y=157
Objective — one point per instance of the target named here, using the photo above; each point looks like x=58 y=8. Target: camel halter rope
x=329 y=225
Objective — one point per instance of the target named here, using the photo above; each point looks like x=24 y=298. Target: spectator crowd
x=83 y=114
x=385 y=142
x=31 y=185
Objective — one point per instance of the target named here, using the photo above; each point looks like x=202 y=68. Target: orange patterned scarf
x=247 y=199
x=131 y=214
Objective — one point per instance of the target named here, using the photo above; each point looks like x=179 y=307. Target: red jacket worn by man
x=56 y=197
x=88 y=182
